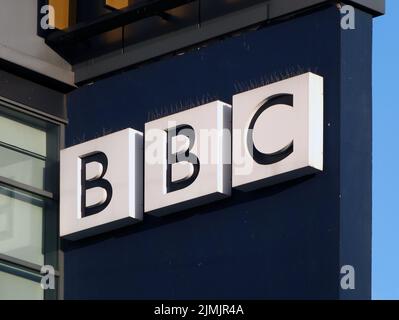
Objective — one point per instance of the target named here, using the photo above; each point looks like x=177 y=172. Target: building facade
x=73 y=71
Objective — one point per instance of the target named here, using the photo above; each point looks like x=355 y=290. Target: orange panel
x=64 y=11
x=118 y=4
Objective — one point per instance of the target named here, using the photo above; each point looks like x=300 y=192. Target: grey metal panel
x=377 y=7
x=20 y=44
x=32 y=97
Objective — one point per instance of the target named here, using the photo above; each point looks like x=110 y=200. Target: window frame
x=23 y=268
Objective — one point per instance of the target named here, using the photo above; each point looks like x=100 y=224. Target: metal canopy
x=211 y=19
x=83 y=31
x=116 y=19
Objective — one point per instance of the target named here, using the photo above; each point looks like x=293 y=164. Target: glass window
x=19 y=286
x=21 y=225
x=27 y=149
x=29 y=160
x=21 y=167
x=18 y=134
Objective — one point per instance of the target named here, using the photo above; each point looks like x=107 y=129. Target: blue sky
x=386 y=154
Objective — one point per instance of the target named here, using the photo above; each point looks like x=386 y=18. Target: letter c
x=269 y=158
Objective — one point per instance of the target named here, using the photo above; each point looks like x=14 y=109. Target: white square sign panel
x=188 y=159
x=278 y=132
x=101 y=184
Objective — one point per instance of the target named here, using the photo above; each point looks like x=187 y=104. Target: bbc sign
x=269 y=135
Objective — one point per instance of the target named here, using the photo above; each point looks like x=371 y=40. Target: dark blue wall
x=283 y=241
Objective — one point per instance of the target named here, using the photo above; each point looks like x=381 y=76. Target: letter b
x=195 y=165
x=100 y=182
x=181 y=156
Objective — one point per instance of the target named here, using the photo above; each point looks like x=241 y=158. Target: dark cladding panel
x=356 y=152
x=277 y=242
